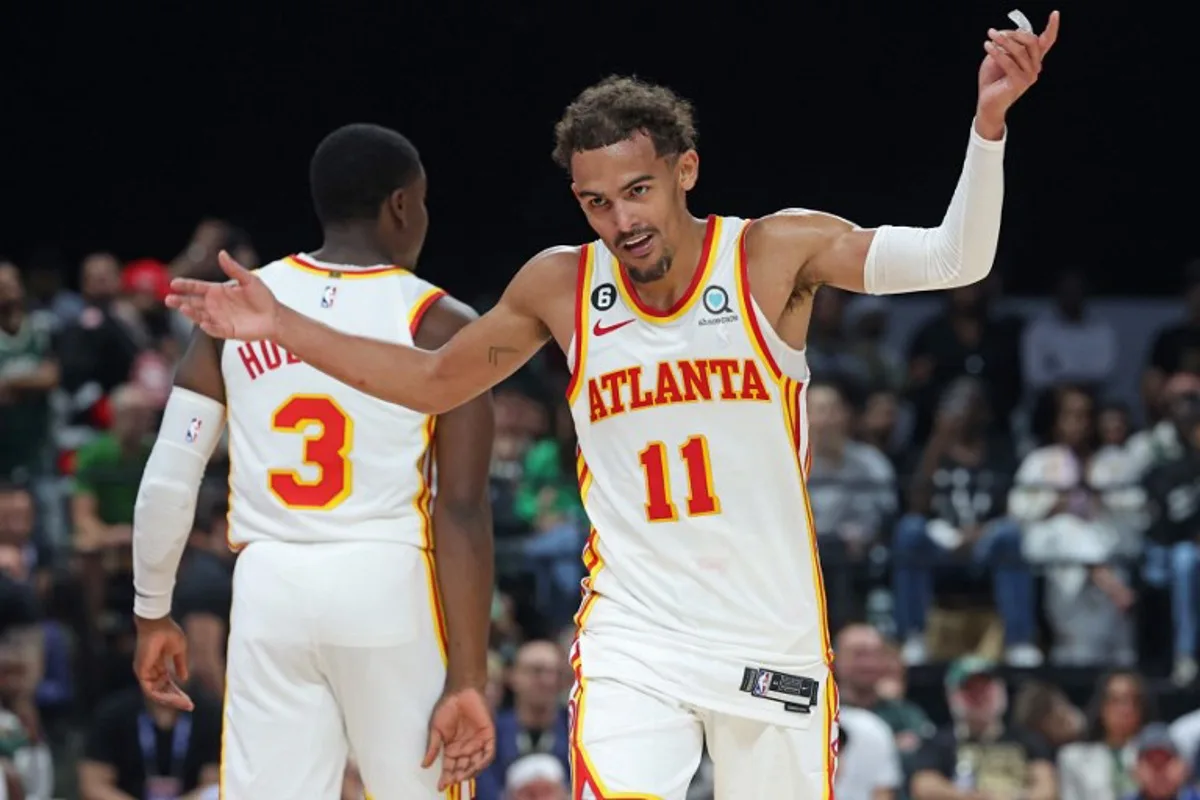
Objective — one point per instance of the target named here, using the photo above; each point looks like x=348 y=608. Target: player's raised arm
x=960 y=251
x=478 y=357
x=162 y=518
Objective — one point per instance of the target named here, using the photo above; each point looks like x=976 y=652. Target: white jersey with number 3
x=315 y=460
x=693 y=444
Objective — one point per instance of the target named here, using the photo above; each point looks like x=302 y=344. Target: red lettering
x=598 y=410
x=612 y=383
x=638 y=397
x=291 y=359
x=668 y=387
x=753 y=387
x=696 y=384
x=727 y=367
x=270 y=353
x=250 y=360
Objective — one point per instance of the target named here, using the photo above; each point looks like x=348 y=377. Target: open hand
x=161 y=660
x=461 y=730
x=242 y=309
x=1012 y=65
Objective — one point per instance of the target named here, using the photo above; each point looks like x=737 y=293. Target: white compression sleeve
x=958 y=252
x=166 y=500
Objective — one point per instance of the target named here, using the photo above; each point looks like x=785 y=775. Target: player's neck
x=689 y=249
x=351 y=247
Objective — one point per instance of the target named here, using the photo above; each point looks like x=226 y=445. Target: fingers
x=431 y=752
x=463 y=761
x=1050 y=35
x=1011 y=68
x=233 y=269
x=1023 y=48
x=181 y=665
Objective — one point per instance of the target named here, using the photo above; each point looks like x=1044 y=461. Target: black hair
x=356 y=168
x=617 y=108
x=1147 y=705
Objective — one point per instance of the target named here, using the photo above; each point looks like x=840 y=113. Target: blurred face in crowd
x=493 y=690
x=16 y=517
x=11 y=292
x=541 y=790
x=964 y=400
x=1063 y=723
x=860 y=659
x=880 y=415
x=979 y=702
x=100 y=278
x=1121 y=708
x=1113 y=426
x=537 y=674
x=967 y=300
x=1160 y=774
x=133 y=415
x=1074 y=424
x=828 y=416
x=1071 y=294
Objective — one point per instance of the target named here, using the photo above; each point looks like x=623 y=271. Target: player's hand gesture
x=461 y=730
x=161 y=659
x=242 y=308
x=1012 y=65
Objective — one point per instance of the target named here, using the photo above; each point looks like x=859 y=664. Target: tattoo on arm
x=495 y=354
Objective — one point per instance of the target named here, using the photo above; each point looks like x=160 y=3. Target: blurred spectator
x=879 y=367
x=548 y=501
x=145 y=750
x=1045 y=710
x=868 y=766
x=1160 y=772
x=978 y=756
x=852 y=491
x=956 y=517
x=1102 y=768
x=1176 y=348
x=1173 y=497
x=967 y=340
x=1077 y=526
x=28 y=372
x=1185 y=731
x=860 y=659
x=204 y=595
x=1114 y=424
x=494 y=690
x=884 y=426
x=24 y=757
x=1162 y=441
x=1068 y=344
x=536 y=777
x=537 y=721
x=96 y=350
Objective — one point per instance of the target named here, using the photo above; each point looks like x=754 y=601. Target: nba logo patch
x=327 y=296
x=193 y=431
x=762 y=684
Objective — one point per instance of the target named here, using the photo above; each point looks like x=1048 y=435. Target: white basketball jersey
x=693 y=447
x=312 y=459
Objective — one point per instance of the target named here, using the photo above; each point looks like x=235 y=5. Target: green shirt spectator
x=547 y=487
x=28 y=373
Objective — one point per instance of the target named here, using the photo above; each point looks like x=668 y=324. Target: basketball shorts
x=333 y=648
x=635 y=738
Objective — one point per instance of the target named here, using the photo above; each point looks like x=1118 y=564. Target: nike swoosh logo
x=601 y=330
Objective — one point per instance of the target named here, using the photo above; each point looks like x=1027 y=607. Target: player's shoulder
x=790 y=224
x=551 y=272
x=438 y=317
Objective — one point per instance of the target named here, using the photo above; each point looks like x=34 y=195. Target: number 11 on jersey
x=701 y=501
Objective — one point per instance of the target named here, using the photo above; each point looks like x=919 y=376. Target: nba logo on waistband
x=193 y=430
x=763 y=684
x=327 y=296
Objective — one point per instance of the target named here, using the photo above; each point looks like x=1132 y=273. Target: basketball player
x=346 y=629
x=704 y=615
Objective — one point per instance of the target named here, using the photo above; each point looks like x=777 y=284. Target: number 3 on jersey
x=700 y=499
x=327 y=450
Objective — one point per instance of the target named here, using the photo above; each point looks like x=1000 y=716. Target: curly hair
x=615 y=109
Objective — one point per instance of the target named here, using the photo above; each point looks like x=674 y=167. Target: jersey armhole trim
x=746 y=301
x=583 y=281
x=419 y=309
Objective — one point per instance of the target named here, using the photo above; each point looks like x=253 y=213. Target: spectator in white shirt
x=1068 y=344
x=868 y=762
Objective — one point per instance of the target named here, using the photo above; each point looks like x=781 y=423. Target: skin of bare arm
x=538 y=302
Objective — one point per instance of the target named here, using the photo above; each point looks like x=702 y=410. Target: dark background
x=121 y=127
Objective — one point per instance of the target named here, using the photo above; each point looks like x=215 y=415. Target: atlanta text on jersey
x=671 y=382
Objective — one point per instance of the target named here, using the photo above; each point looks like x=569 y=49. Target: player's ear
x=687 y=169
x=395 y=205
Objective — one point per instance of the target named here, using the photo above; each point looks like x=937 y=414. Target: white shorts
x=333 y=648
x=630 y=739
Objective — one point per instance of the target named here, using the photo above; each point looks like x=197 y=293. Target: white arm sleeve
x=958 y=252
x=166 y=500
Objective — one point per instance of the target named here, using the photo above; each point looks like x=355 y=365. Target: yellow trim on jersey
x=221 y=758
x=587 y=267
x=422 y=503
x=350 y=273
x=423 y=304
x=695 y=288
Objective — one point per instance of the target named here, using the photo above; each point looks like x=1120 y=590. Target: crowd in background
x=979 y=502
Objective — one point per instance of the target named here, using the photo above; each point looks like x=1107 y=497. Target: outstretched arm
x=960 y=251
x=478 y=357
